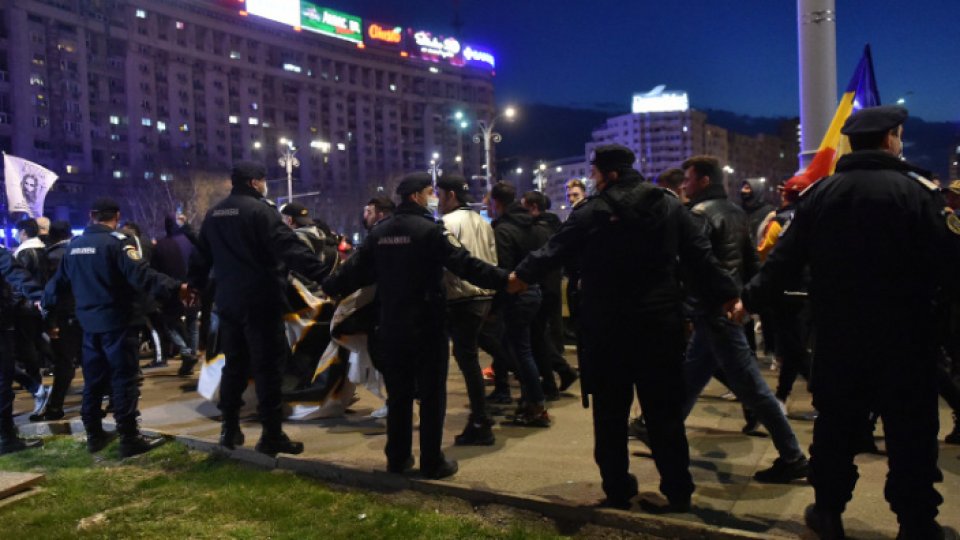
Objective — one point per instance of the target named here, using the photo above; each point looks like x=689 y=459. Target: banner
x=27 y=185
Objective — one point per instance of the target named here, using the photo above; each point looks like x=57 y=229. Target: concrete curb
x=659 y=526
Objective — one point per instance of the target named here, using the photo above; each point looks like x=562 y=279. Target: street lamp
x=541 y=177
x=288 y=160
x=435 y=169
x=489 y=137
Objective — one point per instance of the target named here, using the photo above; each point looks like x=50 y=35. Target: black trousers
x=253 y=344
x=650 y=361
x=546 y=333
x=792 y=330
x=464 y=320
x=7 y=365
x=492 y=340
x=66 y=353
x=110 y=366
x=415 y=369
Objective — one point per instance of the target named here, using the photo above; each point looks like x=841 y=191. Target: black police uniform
x=879 y=245
x=629 y=243
x=105 y=275
x=405 y=256
x=251 y=251
x=15 y=279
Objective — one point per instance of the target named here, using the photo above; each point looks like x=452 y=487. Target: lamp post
x=462 y=124
x=541 y=178
x=489 y=137
x=435 y=169
x=288 y=160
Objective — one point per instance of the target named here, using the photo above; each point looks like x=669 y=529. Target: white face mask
x=263 y=192
x=433 y=204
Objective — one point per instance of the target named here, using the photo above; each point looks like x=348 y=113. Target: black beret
x=245 y=171
x=104 y=204
x=611 y=157
x=298 y=212
x=456 y=184
x=874 y=120
x=413 y=183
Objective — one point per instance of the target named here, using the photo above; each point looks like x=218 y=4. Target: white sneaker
x=40 y=400
x=379 y=413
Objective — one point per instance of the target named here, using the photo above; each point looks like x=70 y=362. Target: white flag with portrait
x=27 y=185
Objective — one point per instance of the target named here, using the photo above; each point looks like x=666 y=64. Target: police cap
x=412 y=183
x=455 y=184
x=245 y=171
x=299 y=213
x=612 y=157
x=874 y=120
x=104 y=204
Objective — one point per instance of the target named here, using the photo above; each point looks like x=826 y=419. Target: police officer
x=105 y=273
x=251 y=251
x=629 y=242
x=405 y=256
x=20 y=281
x=879 y=244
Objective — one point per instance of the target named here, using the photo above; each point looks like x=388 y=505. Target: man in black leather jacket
x=718 y=342
x=630 y=242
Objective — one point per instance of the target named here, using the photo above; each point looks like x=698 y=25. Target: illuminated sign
x=283 y=11
x=330 y=23
x=384 y=35
x=473 y=55
x=433 y=47
x=657 y=100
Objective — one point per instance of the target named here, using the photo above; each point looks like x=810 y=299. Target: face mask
x=263 y=192
x=433 y=204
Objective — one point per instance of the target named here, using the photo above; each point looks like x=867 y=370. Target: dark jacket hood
x=756 y=199
x=633 y=200
x=518 y=215
x=245 y=190
x=873 y=160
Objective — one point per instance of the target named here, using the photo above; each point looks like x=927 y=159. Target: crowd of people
x=853 y=277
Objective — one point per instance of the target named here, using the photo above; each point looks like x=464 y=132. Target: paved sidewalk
x=556 y=464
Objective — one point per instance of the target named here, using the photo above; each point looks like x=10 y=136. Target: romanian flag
x=861 y=92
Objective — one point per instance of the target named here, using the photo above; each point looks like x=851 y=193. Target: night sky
x=738 y=55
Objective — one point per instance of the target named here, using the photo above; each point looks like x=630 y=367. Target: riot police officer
x=405 y=256
x=879 y=244
x=630 y=241
x=105 y=273
x=251 y=251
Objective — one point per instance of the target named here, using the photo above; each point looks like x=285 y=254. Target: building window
x=234 y=55
x=115 y=120
x=184 y=128
x=164 y=177
x=118 y=174
x=141 y=14
x=234 y=119
x=36 y=80
x=72 y=169
x=161 y=126
x=146 y=122
x=253 y=121
x=148 y=175
x=180 y=25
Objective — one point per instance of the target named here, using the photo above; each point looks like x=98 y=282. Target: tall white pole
x=817 y=39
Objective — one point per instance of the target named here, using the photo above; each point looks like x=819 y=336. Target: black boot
x=954 y=436
x=186 y=365
x=11 y=442
x=98 y=439
x=277 y=442
x=443 y=469
x=230 y=434
x=477 y=433
x=827 y=525
x=133 y=443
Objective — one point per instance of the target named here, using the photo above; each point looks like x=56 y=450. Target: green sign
x=330 y=22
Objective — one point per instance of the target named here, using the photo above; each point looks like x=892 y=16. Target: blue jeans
x=519 y=313
x=720 y=343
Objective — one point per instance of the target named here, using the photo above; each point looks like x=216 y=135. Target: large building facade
x=662 y=137
x=132 y=97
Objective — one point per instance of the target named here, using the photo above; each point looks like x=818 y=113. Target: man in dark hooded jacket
x=754 y=203
x=630 y=241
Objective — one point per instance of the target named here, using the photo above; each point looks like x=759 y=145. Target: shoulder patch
x=118 y=235
x=923 y=181
x=452 y=239
x=953 y=223
x=132 y=253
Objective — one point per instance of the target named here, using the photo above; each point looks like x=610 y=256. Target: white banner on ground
x=27 y=185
